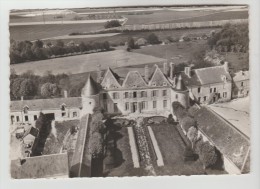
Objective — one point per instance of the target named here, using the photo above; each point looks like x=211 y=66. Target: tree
x=179 y=111
x=207 y=155
x=82 y=47
x=192 y=135
x=27 y=88
x=96 y=145
x=59 y=43
x=106 y=45
x=40 y=121
x=187 y=122
x=112 y=23
x=15 y=87
x=130 y=43
x=153 y=39
x=49 y=90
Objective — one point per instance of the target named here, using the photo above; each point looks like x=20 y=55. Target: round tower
x=181 y=93
x=90 y=96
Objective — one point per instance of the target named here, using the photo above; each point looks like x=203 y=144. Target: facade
x=150 y=92
x=209 y=85
x=241 y=84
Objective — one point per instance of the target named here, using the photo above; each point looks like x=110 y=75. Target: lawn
x=123 y=148
x=172 y=149
x=34 y=32
x=86 y=62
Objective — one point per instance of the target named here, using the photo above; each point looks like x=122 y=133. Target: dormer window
x=164 y=84
x=153 y=84
x=224 y=78
x=63 y=107
x=26 y=109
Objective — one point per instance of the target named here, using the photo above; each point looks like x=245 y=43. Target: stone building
x=241 y=84
x=151 y=91
x=208 y=85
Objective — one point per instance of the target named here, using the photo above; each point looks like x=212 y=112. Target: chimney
x=21 y=98
x=146 y=73
x=65 y=94
x=165 y=68
x=226 y=66
x=187 y=71
x=172 y=70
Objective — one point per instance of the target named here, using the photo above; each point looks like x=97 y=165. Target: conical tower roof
x=90 y=87
x=180 y=85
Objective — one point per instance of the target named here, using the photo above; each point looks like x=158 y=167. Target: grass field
x=34 y=32
x=86 y=62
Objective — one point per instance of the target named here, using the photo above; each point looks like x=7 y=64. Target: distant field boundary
x=170 y=26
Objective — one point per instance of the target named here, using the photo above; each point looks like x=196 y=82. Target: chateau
x=150 y=92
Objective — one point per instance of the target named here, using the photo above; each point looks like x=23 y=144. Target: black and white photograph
x=129 y=91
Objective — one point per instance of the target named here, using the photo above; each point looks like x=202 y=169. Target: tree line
x=24 y=51
x=231 y=38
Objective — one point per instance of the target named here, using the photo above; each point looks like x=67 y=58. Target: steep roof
x=241 y=76
x=192 y=80
x=90 y=88
x=158 y=78
x=46 y=166
x=133 y=80
x=110 y=80
x=212 y=75
x=232 y=143
x=45 y=104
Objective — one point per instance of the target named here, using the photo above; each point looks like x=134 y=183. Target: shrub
x=179 y=111
x=153 y=39
x=96 y=145
x=192 y=135
x=187 y=123
x=207 y=155
x=112 y=23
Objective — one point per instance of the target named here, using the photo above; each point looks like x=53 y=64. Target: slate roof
x=45 y=166
x=90 y=88
x=204 y=76
x=46 y=104
x=133 y=80
x=230 y=142
x=158 y=78
x=241 y=76
x=110 y=80
x=212 y=75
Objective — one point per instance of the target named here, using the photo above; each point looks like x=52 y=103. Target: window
x=215 y=89
x=199 y=99
x=210 y=90
x=164 y=93
x=143 y=105
x=224 y=94
x=154 y=93
x=199 y=90
x=154 y=104
x=105 y=107
x=204 y=98
x=143 y=94
x=134 y=94
x=164 y=84
x=26 y=118
x=17 y=118
x=115 y=95
x=63 y=114
x=104 y=95
x=115 y=107
x=35 y=117
x=126 y=95
x=127 y=106
x=165 y=103
x=242 y=84
x=176 y=96
x=74 y=114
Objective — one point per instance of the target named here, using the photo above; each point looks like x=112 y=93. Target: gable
x=159 y=79
x=134 y=79
x=109 y=81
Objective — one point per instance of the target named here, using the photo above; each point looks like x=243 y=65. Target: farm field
x=236 y=112
x=86 y=62
x=229 y=15
x=35 y=32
